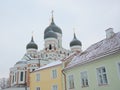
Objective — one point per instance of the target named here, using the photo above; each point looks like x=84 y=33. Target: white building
x=34 y=58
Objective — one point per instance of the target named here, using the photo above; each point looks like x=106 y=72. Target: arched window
x=21 y=76
x=50 y=47
x=13 y=79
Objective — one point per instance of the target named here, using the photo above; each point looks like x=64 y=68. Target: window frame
x=54 y=73
x=21 y=76
x=37 y=77
x=37 y=88
x=84 y=76
x=118 y=67
x=71 y=83
x=102 y=77
x=56 y=86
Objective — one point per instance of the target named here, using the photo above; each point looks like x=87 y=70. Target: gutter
x=95 y=58
x=63 y=72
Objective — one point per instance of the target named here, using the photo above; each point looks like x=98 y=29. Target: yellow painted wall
x=46 y=80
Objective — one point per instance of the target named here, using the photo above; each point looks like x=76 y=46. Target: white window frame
x=37 y=77
x=54 y=87
x=54 y=73
x=84 y=79
x=101 y=74
x=20 y=76
x=15 y=77
x=37 y=88
x=118 y=66
x=71 y=82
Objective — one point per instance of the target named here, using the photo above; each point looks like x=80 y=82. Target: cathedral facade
x=34 y=58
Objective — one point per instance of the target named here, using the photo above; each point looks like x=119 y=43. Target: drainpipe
x=39 y=62
x=63 y=72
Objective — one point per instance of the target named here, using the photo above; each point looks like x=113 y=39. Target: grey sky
x=18 y=18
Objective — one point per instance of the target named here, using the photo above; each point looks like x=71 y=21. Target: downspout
x=63 y=72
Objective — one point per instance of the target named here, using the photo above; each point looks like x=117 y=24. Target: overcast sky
x=18 y=18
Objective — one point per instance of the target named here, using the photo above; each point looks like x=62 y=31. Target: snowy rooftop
x=97 y=50
x=58 y=62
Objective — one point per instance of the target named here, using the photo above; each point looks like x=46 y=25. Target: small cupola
x=75 y=45
x=32 y=44
x=75 y=42
x=109 y=33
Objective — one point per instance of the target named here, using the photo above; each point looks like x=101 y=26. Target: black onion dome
x=54 y=27
x=32 y=44
x=75 y=42
x=50 y=34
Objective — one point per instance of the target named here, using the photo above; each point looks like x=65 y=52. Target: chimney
x=109 y=33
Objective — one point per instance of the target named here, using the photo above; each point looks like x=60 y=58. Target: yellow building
x=48 y=77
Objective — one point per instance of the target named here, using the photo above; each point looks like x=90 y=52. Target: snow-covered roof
x=97 y=50
x=58 y=62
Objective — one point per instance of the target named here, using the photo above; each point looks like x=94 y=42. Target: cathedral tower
x=75 y=45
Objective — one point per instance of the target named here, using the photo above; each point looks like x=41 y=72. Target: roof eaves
x=95 y=58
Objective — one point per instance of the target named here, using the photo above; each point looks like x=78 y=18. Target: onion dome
x=32 y=44
x=75 y=42
x=50 y=34
x=21 y=62
x=54 y=27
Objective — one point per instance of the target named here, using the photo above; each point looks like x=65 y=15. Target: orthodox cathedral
x=34 y=58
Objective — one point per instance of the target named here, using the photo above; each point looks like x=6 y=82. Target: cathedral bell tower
x=75 y=45
x=53 y=28
x=51 y=42
x=32 y=48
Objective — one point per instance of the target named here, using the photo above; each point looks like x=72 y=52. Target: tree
x=4 y=83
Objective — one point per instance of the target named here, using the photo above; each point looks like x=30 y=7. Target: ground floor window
x=37 y=88
x=54 y=87
x=119 y=69
x=84 y=79
x=71 y=81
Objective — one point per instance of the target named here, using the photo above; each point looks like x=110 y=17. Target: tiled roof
x=97 y=50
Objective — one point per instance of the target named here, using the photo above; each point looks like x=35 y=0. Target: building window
x=102 y=76
x=33 y=70
x=21 y=76
x=54 y=73
x=50 y=47
x=37 y=88
x=60 y=52
x=37 y=77
x=119 y=69
x=15 y=77
x=54 y=87
x=84 y=79
x=71 y=81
